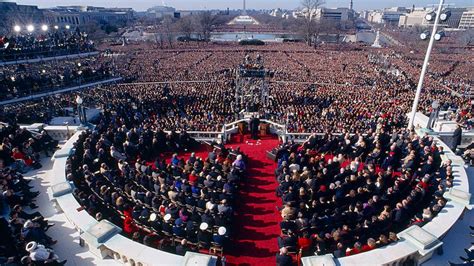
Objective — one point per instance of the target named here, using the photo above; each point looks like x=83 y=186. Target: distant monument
x=244 y=19
x=377 y=40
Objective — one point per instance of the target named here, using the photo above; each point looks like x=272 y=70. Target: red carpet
x=257 y=221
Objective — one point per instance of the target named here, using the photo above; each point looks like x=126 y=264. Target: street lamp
x=430 y=16
x=56 y=27
x=68 y=27
x=425 y=64
x=17 y=28
x=30 y=28
x=44 y=27
x=445 y=15
x=439 y=35
x=425 y=35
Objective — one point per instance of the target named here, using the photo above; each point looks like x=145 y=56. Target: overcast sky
x=140 y=5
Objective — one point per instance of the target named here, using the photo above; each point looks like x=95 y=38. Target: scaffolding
x=251 y=86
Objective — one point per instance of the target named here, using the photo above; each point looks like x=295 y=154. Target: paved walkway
x=67 y=236
x=458 y=238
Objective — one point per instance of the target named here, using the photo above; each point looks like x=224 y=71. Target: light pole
x=425 y=65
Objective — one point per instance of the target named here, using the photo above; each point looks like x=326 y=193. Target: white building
x=277 y=13
x=161 y=11
x=389 y=16
x=467 y=19
x=417 y=18
x=336 y=14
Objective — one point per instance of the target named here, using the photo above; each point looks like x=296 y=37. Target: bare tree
x=159 y=35
x=168 y=29
x=185 y=26
x=206 y=21
x=311 y=23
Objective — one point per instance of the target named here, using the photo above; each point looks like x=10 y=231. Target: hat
x=167 y=217
x=178 y=222
x=153 y=217
x=31 y=246
x=221 y=231
x=203 y=226
x=28 y=224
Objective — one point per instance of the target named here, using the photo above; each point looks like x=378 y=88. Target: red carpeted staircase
x=257 y=220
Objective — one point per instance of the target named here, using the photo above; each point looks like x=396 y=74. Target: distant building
x=244 y=19
x=388 y=16
x=12 y=14
x=79 y=15
x=417 y=18
x=162 y=11
x=467 y=20
x=334 y=14
x=277 y=13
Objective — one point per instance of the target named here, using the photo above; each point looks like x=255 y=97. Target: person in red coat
x=18 y=155
x=129 y=226
x=371 y=244
x=305 y=242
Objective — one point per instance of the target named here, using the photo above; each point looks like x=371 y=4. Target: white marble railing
x=416 y=244
x=103 y=238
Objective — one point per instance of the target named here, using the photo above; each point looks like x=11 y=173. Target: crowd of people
x=29 y=79
x=128 y=170
x=54 y=42
x=315 y=90
x=23 y=238
x=346 y=194
x=343 y=194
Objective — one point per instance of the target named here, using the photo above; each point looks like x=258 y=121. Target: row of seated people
x=29 y=79
x=23 y=238
x=53 y=43
x=349 y=194
x=159 y=203
x=20 y=150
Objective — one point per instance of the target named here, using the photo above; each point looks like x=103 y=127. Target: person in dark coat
x=254 y=123
x=182 y=248
x=283 y=259
x=457 y=136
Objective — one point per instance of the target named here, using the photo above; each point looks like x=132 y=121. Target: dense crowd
x=28 y=79
x=123 y=173
x=314 y=91
x=346 y=194
x=23 y=238
x=52 y=43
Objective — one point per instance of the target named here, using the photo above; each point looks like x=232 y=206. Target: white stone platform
x=68 y=238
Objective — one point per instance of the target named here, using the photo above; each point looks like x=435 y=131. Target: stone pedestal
x=194 y=259
x=99 y=233
x=324 y=260
x=425 y=242
x=61 y=189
